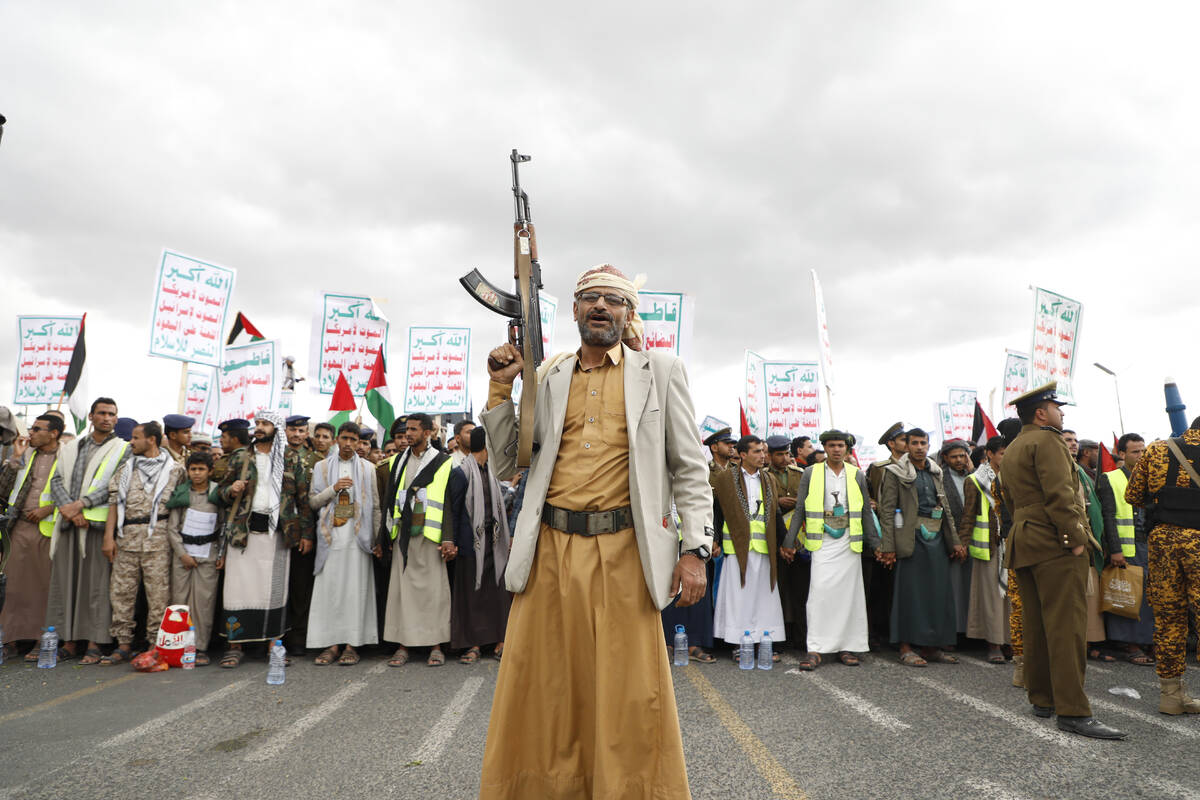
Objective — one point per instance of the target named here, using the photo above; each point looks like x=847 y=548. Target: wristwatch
x=702 y=552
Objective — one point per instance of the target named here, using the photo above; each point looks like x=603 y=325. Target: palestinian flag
x=342 y=403
x=379 y=402
x=242 y=324
x=745 y=425
x=1107 y=462
x=75 y=385
x=982 y=429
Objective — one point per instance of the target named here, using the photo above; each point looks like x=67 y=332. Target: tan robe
x=584 y=704
x=29 y=565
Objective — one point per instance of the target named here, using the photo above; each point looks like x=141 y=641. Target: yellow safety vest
x=814 y=510
x=101 y=478
x=46 y=526
x=433 y=509
x=980 y=545
x=758 y=526
x=1118 y=481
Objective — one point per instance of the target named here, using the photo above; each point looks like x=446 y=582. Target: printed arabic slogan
x=248 y=379
x=711 y=425
x=199 y=399
x=945 y=421
x=548 y=304
x=46 y=346
x=962 y=412
x=793 y=395
x=191 y=300
x=667 y=317
x=348 y=331
x=437 y=370
x=1016 y=379
x=1055 y=336
x=754 y=397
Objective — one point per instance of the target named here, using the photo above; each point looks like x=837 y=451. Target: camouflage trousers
x=132 y=567
x=1016 y=623
x=1174 y=581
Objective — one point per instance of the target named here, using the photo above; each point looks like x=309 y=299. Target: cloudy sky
x=930 y=160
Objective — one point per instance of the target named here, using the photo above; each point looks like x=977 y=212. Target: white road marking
x=182 y=712
x=281 y=740
x=859 y=704
x=1151 y=719
x=439 y=735
x=1105 y=670
x=991 y=789
x=1017 y=721
x=1174 y=790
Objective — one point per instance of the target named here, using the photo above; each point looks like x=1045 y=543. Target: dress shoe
x=1088 y=726
x=1045 y=712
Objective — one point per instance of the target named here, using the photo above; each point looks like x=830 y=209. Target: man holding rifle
x=584 y=704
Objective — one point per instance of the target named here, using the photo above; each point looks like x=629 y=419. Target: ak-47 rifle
x=522 y=308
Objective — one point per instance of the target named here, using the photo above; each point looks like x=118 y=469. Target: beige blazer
x=666 y=462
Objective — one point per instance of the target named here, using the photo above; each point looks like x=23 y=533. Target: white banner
x=962 y=412
x=548 y=304
x=45 y=347
x=669 y=322
x=793 y=393
x=248 y=379
x=826 y=352
x=200 y=399
x=945 y=421
x=1055 y=337
x=348 y=330
x=1016 y=380
x=436 y=380
x=754 y=395
x=711 y=425
x=191 y=301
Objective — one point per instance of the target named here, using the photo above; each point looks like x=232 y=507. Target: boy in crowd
x=194 y=531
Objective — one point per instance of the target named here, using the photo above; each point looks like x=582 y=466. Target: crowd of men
x=332 y=541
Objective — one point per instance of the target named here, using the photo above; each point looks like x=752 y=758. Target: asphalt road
x=879 y=730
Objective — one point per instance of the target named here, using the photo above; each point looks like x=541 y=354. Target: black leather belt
x=211 y=537
x=144 y=520
x=587 y=523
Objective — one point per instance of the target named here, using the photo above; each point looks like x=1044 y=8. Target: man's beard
x=263 y=438
x=602 y=338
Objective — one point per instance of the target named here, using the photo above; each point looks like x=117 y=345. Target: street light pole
x=1116 y=390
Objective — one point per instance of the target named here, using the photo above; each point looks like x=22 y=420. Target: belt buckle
x=577 y=523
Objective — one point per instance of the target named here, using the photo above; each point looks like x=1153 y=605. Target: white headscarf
x=278 y=445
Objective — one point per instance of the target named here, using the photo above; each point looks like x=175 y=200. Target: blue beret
x=365 y=432
x=236 y=424
x=177 y=422
x=777 y=443
x=124 y=427
x=297 y=420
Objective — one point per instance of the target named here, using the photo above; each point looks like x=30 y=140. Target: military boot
x=1019 y=671
x=1174 y=699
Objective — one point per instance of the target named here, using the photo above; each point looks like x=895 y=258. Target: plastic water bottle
x=746 y=656
x=189 y=649
x=48 y=655
x=275 y=674
x=765 y=656
x=681 y=646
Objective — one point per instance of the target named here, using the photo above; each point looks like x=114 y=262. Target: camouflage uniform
x=143 y=557
x=1174 y=551
x=295 y=516
x=221 y=466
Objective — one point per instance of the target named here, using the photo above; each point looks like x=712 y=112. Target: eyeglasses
x=591 y=298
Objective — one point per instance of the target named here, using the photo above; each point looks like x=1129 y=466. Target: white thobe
x=837 y=605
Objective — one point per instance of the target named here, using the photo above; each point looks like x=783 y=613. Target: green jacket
x=1095 y=515
x=295 y=515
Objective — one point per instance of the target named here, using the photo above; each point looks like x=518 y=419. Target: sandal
x=118 y=656
x=326 y=657
x=202 y=659
x=911 y=658
x=848 y=658
x=469 y=657
x=399 y=658
x=810 y=662
x=92 y=656
x=702 y=656
x=32 y=656
x=65 y=654
x=498 y=653
x=995 y=655
x=1139 y=657
x=941 y=657
x=349 y=657
x=436 y=658
x=232 y=659
x=1096 y=655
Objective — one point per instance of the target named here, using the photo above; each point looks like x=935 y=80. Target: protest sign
x=668 y=318
x=793 y=398
x=823 y=334
x=248 y=379
x=711 y=425
x=962 y=412
x=191 y=299
x=348 y=330
x=754 y=396
x=436 y=380
x=200 y=399
x=1016 y=379
x=1056 y=322
x=945 y=421
x=45 y=346
x=548 y=304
